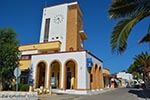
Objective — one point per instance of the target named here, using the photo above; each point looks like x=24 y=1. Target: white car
x=136 y=84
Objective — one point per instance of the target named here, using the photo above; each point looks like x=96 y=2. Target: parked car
x=142 y=83
x=136 y=84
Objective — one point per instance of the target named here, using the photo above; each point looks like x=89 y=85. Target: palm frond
x=146 y=38
x=127 y=8
x=122 y=30
x=142 y=59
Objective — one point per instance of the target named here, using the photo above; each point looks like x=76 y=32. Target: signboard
x=17 y=72
x=89 y=62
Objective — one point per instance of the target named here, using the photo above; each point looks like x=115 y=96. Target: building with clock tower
x=59 y=61
x=63 y=23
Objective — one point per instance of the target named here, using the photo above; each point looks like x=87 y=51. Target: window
x=57 y=37
x=46 y=32
x=71 y=48
x=24 y=77
x=25 y=57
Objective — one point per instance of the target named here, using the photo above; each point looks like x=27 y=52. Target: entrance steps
x=79 y=92
x=68 y=91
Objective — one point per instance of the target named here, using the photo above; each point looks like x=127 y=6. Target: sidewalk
x=106 y=90
x=71 y=96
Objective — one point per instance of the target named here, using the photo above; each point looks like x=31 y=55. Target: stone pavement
x=145 y=94
x=70 y=96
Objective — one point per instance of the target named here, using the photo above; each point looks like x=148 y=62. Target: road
x=118 y=94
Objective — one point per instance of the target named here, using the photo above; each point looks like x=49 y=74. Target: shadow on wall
x=140 y=93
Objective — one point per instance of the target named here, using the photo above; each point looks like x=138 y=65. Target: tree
x=135 y=70
x=141 y=62
x=130 y=12
x=9 y=55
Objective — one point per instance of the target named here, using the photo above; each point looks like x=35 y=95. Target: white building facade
x=60 y=54
x=126 y=77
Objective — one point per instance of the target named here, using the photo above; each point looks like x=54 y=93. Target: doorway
x=70 y=75
x=55 y=76
x=68 y=80
x=41 y=74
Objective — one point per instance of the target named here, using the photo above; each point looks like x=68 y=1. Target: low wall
x=12 y=95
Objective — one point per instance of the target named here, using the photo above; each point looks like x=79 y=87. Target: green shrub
x=21 y=87
x=13 y=88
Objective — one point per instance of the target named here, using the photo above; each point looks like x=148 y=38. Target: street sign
x=17 y=72
x=89 y=62
x=30 y=78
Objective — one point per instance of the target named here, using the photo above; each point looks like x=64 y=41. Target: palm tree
x=143 y=59
x=130 y=12
x=139 y=64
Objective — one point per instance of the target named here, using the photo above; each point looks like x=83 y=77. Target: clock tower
x=63 y=23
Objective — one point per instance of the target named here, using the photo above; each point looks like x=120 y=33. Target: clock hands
x=58 y=19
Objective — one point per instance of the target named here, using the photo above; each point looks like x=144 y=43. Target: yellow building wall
x=71 y=40
x=106 y=78
x=41 y=46
x=74 y=28
x=106 y=71
x=24 y=64
x=79 y=28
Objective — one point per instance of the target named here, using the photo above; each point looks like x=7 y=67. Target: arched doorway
x=55 y=74
x=91 y=76
x=100 y=77
x=41 y=75
x=70 y=77
x=96 y=77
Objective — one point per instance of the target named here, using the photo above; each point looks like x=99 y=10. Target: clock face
x=58 y=19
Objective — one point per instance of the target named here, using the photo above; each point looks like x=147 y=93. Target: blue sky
x=25 y=17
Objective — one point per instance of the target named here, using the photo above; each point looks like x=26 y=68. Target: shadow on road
x=147 y=93
x=140 y=93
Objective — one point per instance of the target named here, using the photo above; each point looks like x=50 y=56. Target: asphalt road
x=118 y=94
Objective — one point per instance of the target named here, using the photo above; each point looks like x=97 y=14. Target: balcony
x=46 y=46
x=83 y=35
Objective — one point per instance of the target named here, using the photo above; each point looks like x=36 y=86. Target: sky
x=25 y=17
